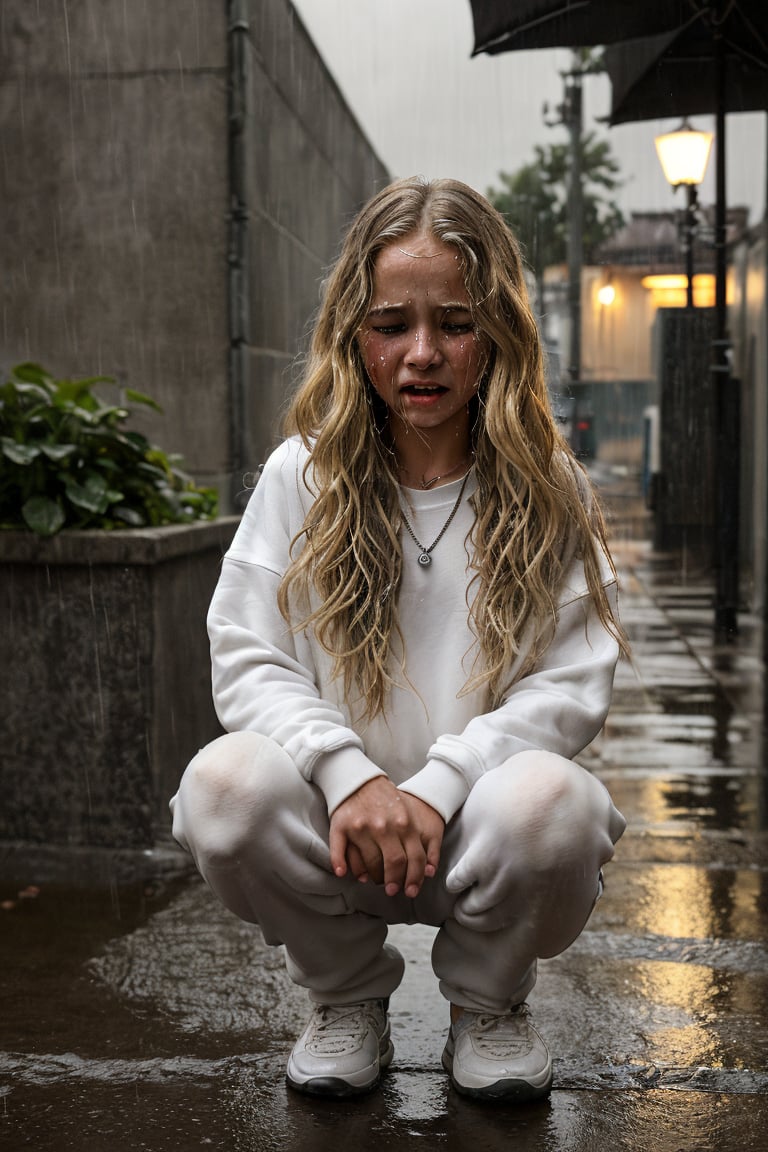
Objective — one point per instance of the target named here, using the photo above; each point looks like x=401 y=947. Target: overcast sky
x=428 y=107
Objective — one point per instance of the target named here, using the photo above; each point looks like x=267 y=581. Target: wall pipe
x=239 y=119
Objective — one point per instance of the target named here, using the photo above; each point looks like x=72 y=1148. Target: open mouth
x=423 y=390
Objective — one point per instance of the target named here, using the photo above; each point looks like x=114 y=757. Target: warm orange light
x=684 y=154
x=670 y=291
x=606 y=295
x=661 y=282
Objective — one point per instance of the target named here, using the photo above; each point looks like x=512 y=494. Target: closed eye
x=449 y=326
x=456 y=319
x=388 y=329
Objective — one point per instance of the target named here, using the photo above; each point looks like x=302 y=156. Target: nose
x=423 y=350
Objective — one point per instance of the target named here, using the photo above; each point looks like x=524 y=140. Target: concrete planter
x=104 y=682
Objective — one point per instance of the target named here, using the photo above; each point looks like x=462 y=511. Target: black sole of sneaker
x=505 y=1092
x=332 y=1088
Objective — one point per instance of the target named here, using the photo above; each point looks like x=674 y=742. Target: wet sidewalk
x=142 y=1016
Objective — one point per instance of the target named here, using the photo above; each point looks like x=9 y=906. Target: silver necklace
x=425 y=559
x=427 y=484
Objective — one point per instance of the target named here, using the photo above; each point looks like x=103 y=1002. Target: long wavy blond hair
x=534 y=507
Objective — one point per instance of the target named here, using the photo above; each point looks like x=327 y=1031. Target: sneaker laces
x=339 y=1028
x=503 y=1036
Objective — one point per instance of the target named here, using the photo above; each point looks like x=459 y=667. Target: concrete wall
x=104 y=678
x=113 y=119
x=121 y=137
x=306 y=170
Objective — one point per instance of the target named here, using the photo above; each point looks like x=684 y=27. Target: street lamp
x=606 y=295
x=684 y=154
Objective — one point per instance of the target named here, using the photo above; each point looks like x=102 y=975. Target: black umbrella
x=512 y=25
x=687 y=35
x=676 y=72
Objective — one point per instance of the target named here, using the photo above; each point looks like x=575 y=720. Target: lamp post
x=684 y=154
x=570 y=116
x=574 y=120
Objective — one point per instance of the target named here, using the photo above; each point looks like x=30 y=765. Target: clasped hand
x=387 y=836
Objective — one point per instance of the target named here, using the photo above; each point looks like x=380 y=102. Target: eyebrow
x=450 y=306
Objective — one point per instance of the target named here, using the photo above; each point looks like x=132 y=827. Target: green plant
x=66 y=461
x=535 y=201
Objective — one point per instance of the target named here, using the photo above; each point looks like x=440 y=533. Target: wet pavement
x=140 y=1015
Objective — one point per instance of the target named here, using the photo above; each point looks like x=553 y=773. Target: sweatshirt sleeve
x=559 y=706
x=259 y=682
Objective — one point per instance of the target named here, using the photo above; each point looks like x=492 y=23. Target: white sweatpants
x=518 y=877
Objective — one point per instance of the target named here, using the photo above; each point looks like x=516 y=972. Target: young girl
x=413 y=634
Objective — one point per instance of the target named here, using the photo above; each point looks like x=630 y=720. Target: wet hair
x=534 y=507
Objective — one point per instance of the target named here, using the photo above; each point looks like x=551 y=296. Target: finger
x=374 y=869
x=356 y=864
x=395 y=865
x=433 y=850
x=416 y=865
x=337 y=842
x=368 y=858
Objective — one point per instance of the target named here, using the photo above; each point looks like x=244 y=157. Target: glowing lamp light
x=606 y=295
x=671 y=291
x=684 y=154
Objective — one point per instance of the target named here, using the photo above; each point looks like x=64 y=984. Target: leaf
x=33 y=374
x=22 y=454
x=57 y=452
x=132 y=440
x=105 y=410
x=79 y=391
x=140 y=398
x=129 y=516
x=13 y=390
x=92 y=496
x=43 y=516
x=157 y=475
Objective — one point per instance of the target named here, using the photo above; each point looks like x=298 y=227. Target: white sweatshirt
x=433 y=742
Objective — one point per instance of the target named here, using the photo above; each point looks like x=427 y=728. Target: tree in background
x=534 y=200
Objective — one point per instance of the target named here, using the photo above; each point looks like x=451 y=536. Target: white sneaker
x=498 y=1057
x=342 y=1051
